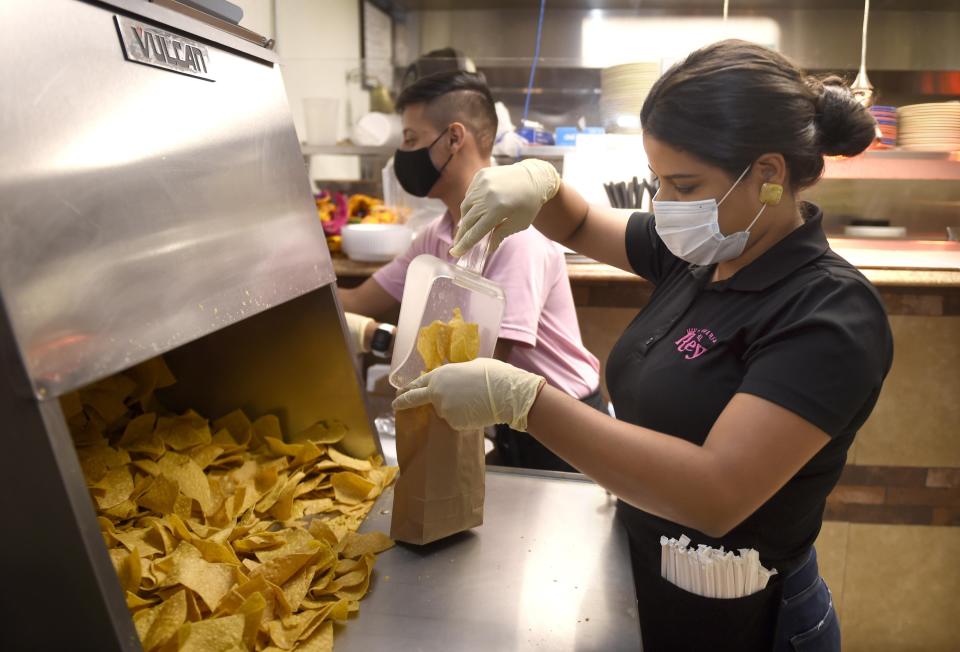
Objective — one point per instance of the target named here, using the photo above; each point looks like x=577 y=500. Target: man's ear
x=456 y=136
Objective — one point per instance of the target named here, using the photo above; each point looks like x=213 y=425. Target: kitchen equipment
x=567 y=136
x=535 y=133
x=380 y=100
x=628 y=194
x=153 y=205
x=378 y=130
x=862 y=88
x=375 y=243
x=623 y=89
x=432 y=290
x=886 y=117
x=860 y=231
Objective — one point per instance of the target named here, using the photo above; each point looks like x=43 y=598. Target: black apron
x=794 y=613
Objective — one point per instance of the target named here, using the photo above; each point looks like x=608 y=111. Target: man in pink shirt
x=449 y=124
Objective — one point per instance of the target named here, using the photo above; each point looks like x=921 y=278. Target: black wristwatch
x=382 y=340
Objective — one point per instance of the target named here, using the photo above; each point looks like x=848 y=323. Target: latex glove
x=506 y=198
x=475 y=394
x=357 y=326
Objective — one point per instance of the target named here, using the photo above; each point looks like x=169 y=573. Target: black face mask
x=415 y=170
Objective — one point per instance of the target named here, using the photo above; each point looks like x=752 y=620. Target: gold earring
x=771 y=193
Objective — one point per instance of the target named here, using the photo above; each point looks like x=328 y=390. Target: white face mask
x=691 y=229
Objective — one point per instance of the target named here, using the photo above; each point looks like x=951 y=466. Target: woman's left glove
x=475 y=394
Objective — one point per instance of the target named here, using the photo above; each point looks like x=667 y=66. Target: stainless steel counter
x=548 y=570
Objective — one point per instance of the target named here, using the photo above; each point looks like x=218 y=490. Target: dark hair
x=455 y=97
x=437 y=61
x=730 y=102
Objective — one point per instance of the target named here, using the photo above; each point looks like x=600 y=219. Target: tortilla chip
x=183 y=432
x=464 y=339
x=198 y=525
x=351 y=488
x=129 y=572
x=285 y=633
x=252 y=611
x=96 y=461
x=135 y=602
x=162 y=495
x=433 y=343
x=114 y=488
x=193 y=483
x=323 y=432
x=108 y=402
x=356 y=545
x=170 y=616
x=280 y=569
x=215 y=635
x=204 y=456
x=320 y=641
x=210 y=581
x=347 y=462
x=237 y=424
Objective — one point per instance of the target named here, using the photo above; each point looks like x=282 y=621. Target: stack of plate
x=623 y=89
x=931 y=127
x=886 y=117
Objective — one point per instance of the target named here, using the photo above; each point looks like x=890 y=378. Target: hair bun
x=844 y=126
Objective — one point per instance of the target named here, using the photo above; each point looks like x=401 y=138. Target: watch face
x=381 y=341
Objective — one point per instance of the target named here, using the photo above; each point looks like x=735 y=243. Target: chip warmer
x=153 y=200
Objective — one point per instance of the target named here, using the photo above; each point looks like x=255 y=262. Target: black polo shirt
x=799 y=326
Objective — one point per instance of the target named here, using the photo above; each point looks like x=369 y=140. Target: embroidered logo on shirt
x=695 y=342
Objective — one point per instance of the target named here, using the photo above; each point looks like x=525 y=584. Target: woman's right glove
x=506 y=198
x=475 y=394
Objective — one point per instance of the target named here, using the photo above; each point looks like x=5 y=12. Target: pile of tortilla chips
x=224 y=536
x=452 y=341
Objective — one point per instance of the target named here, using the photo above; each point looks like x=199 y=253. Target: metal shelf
x=873 y=164
x=896 y=164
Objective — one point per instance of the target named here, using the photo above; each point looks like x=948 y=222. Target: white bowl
x=375 y=243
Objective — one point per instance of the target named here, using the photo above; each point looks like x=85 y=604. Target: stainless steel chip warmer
x=153 y=200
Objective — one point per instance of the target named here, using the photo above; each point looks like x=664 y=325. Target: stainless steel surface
x=915 y=35
x=152 y=46
x=549 y=569
x=42 y=490
x=142 y=208
x=144 y=211
x=219 y=22
x=917 y=45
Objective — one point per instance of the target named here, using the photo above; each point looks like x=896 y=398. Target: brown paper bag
x=441 y=485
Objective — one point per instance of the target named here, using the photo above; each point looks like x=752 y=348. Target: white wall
x=318 y=42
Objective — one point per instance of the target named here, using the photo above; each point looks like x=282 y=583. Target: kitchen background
x=890 y=545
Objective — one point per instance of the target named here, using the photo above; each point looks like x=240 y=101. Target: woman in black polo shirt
x=741 y=385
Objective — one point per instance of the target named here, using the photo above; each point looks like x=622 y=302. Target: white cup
x=378 y=130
